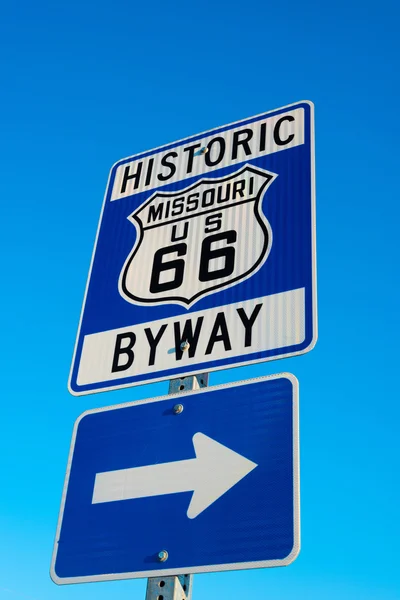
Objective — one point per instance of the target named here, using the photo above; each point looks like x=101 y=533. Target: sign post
x=204 y=259
x=176 y=587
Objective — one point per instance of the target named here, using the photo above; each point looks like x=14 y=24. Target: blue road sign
x=211 y=488
x=209 y=240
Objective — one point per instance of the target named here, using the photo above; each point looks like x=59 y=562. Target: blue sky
x=85 y=84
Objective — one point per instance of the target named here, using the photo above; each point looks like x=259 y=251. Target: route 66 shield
x=206 y=237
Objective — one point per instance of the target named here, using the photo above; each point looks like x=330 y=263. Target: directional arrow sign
x=216 y=486
x=214 y=471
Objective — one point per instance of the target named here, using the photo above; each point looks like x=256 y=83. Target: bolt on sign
x=204 y=256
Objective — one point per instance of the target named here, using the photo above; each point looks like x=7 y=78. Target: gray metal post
x=177 y=587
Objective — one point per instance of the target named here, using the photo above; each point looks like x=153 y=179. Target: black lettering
x=119 y=350
x=277 y=138
x=220 y=324
x=154 y=213
x=175 y=237
x=248 y=322
x=176 y=266
x=208 y=255
x=227 y=194
x=207 y=156
x=238 y=188
x=177 y=206
x=251 y=186
x=190 y=149
x=153 y=342
x=149 y=171
x=211 y=193
x=187 y=334
x=128 y=176
x=263 y=130
x=170 y=165
x=248 y=134
x=194 y=202
x=213 y=223
x=167 y=206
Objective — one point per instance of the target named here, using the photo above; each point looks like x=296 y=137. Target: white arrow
x=211 y=474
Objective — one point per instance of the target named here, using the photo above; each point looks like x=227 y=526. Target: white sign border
x=184 y=569
x=203 y=368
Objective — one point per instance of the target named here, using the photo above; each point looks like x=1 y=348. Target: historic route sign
x=211 y=240
x=212 y=487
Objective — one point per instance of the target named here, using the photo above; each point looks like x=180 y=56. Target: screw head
x=162 y=556
x=185 y=346
x=178 y=408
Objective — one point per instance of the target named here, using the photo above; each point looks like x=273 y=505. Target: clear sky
x=87 y=83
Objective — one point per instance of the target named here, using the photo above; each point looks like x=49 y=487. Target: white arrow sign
x=211 y=474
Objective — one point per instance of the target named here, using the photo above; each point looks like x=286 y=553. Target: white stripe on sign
x=187 y=159
x=256 y=325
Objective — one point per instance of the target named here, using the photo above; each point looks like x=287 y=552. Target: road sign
x=154 y=490
x=209 y=240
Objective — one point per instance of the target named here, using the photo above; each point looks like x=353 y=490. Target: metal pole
x=177 y=587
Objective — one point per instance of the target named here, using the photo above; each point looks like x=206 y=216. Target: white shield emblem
x=204 y=238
